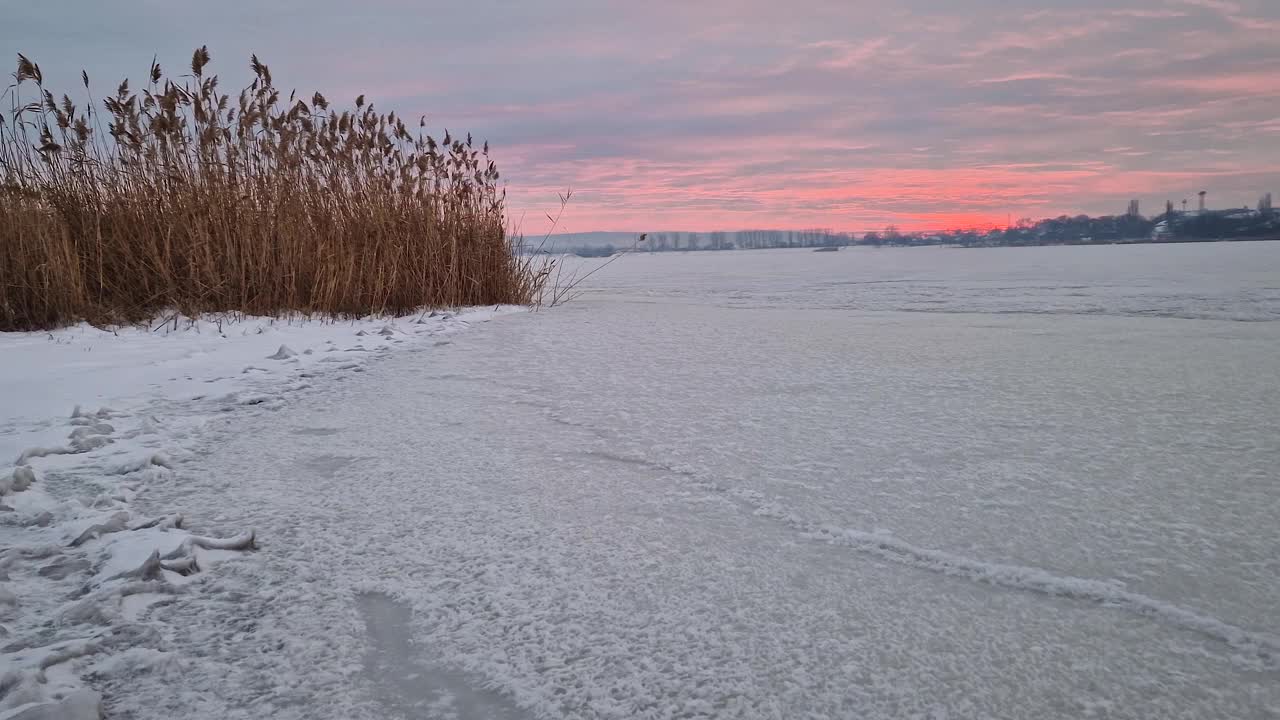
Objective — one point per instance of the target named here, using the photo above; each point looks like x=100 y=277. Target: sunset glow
x=727 y=115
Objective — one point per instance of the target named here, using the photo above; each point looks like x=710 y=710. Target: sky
x=731 y=114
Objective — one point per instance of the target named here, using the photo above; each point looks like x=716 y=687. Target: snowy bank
x=88 y=418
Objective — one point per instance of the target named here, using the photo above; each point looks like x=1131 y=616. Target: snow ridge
x=1261 y=647
x=1257 y=649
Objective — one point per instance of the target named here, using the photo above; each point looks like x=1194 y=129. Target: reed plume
x=181 y=197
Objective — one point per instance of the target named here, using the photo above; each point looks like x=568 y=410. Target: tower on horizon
x=1202 y=194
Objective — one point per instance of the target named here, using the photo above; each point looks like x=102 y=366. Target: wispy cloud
x=849 y=114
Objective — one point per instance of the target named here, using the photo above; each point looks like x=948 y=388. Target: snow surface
x=930 y=483
x=90 y=419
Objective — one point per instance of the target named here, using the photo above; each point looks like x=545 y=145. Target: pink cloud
x=1249 y=82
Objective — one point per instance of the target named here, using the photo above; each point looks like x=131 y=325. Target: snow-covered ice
x=930 y=483
x=90 y=419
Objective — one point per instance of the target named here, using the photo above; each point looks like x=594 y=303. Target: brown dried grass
x=191 y=201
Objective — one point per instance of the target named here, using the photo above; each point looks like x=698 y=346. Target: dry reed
x=192 y=201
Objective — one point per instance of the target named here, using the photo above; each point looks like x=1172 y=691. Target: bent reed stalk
x=191 y=201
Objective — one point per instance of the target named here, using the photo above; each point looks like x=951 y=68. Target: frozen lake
x=931 y=483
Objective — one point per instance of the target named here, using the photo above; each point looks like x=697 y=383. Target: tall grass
x=181 y=197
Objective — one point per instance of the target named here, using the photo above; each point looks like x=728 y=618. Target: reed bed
x=181 y=198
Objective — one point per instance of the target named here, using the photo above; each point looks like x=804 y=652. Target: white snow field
x=927 y=483
x=89 y=420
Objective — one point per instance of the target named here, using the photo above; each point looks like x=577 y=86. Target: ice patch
x=409 y=685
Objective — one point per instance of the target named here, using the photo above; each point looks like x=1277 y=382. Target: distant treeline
x=1169 y=226
x=1262 y=222
x=740 y=240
